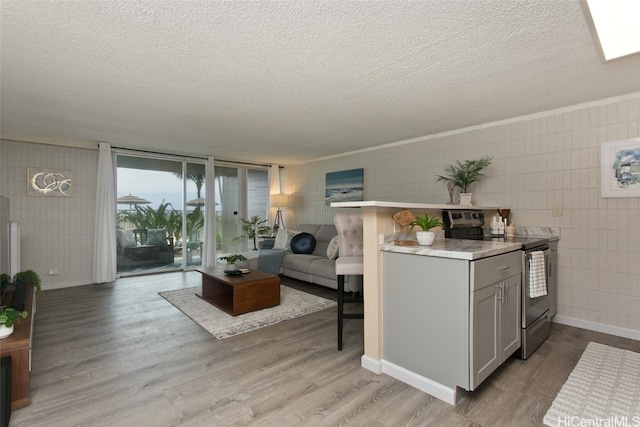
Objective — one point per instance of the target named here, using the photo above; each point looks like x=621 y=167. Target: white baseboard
x=446 y=394
x=372 y=364
x=64 y=285
x=597 y=327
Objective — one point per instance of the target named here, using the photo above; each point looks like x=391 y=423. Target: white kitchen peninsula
x=378 y=223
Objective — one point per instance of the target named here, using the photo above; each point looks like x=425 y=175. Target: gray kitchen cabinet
x=510 y=316
x=495 y=320
x=552 y=278
x=451 y=321
x=426 y=316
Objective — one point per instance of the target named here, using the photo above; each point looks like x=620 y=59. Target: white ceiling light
x=617 y=26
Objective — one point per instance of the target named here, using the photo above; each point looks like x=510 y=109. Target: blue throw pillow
x=303 y=243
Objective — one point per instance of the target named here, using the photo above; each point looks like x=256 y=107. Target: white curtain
x=209 y=247
x=104 y=258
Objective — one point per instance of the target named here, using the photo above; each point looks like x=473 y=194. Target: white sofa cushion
x=332 y=249
x=283 y=239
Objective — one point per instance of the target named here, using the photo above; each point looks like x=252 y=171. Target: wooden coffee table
x=239 y=294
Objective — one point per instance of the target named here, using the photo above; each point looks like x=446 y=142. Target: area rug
x=603 y=389
x=293 y=303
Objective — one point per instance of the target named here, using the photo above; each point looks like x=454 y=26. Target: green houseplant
x=9 y=316
x=463 y=174
x=254 y=228
x=232 y=259
x=147 y=217
x=5 y=281
x=426 y=222
x=28 y=277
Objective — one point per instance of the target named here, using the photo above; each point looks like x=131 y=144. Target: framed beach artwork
x=48 y=182
x=620 y=168
x=344 y=186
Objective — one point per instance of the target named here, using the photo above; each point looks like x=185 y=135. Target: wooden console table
x=18 y=346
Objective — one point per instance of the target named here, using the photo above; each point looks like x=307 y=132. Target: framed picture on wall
x=344 y=186
x=620 y=168
x=47 y=182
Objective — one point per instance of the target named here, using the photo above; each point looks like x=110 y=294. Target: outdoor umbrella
x=131 y=200
x=196 y=202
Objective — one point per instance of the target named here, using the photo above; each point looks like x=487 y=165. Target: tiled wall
x=548 y=159
x=57 y=233
x=540 y=161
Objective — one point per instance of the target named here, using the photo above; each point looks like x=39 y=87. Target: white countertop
x=456 y=248
x=404 y=205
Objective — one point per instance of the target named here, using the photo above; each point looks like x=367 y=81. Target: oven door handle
x=546 y=252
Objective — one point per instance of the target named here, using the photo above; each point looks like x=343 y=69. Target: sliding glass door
x=241 y=193
x=161 y=208
x=227 y=206
x=194 y=211
x=160 y=214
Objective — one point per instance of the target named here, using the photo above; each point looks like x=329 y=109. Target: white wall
x=56 y=232
x=547 y=159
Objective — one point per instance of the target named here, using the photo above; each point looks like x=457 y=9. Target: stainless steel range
x=536 y=320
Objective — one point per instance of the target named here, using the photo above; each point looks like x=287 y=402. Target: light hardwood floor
x=119 y=354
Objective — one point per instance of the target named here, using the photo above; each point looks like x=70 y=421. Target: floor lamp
x=279 y=201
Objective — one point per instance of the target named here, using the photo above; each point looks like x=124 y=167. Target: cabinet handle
x=500 y=293
x=503 y=267
x=503 y=294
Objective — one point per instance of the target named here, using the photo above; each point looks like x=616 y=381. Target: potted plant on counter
x=463 y=174
x=426 y=222
x=9 y=316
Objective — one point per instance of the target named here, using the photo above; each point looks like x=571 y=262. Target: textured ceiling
x=286 y=82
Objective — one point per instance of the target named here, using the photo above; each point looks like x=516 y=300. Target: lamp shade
x=279 y=200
